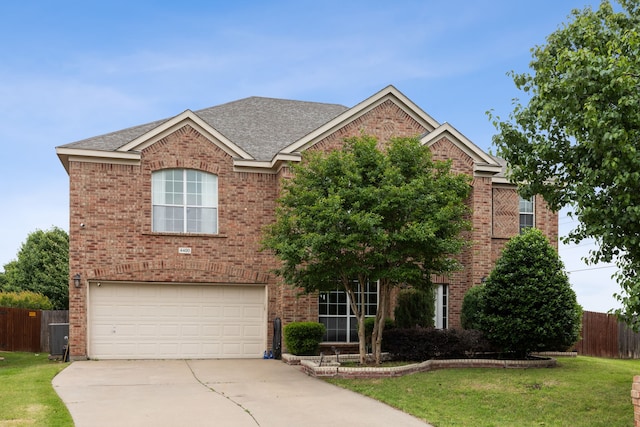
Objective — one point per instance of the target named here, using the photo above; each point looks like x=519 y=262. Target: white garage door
x=154 y=321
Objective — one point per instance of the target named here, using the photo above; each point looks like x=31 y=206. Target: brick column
x=635 y=399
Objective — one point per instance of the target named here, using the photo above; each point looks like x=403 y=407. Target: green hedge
x=420 y=344
x=471 y=308
x=25 y=299
x=415 y=308
x=303 y=338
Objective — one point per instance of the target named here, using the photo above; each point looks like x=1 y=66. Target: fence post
x=635 y=399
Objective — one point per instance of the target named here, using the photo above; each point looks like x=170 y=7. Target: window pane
x=201 y=220
x=526 y=205
x=209 y=191
x=322 y=304
x=526 y=221
x=167 y=218
x=341 y=329
x=174 y=187
x=353 y=329
x=342 y=308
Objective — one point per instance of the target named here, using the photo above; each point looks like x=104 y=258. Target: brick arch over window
x=185 y=271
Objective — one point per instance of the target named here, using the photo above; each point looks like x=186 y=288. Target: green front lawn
x=582 y=391
x=28 y=398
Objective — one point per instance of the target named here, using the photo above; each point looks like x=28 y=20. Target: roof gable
x=483 y=162
x=388 y=93
x=177 y=122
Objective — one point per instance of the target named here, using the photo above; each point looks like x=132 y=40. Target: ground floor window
x=336 y=315
x=442 y=306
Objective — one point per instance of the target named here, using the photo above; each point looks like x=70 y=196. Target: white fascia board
x=501 y=181
x=175 y=123
x=479 y=168
x=242 y=165
x=359 y=110
x=461 y=141
x=67 y=155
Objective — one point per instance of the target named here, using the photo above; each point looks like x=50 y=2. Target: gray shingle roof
x=260 y=126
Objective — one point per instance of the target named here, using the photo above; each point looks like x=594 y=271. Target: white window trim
x=441 y=317
x=532 y=200
x=185 y=205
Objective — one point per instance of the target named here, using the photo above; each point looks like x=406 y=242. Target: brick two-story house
x=166 y=220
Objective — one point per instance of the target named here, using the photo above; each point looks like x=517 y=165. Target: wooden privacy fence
x=604 y=336
x=28 y=330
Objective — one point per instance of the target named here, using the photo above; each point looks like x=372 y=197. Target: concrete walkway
x=219 y=393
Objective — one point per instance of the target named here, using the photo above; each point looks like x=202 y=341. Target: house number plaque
x=184 y=250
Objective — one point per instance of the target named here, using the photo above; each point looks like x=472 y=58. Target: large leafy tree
x=577 y=140
x=42 y=266
x=359 y=215
x=527 y=303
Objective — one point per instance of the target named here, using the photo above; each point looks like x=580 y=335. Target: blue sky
x=72 y=70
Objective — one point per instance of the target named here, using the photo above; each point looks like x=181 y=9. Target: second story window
x=184 y=201
x=526 y=214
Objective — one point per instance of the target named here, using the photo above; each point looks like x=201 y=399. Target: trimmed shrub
x=25 y=299
x=528 y=304
x=415 y=307
x=420 y=344
x=471 y=308
x=303 y=338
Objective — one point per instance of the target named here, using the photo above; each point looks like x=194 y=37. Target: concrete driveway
x=217 y=393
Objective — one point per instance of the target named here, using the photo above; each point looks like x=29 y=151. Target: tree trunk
x=381 y=314
x=359 y=312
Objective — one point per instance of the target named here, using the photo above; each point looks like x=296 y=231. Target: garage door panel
x=176 y=321
x=233 y=312
x=168 y=331
x=148 y=330
x=211 y=331
x=212 y=311
x=191 y=331
x=251 y=332
x=252 y=312
x=231 y=331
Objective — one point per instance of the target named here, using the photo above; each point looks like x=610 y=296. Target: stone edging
x=331 y=368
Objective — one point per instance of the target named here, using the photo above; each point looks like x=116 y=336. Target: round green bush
x=528 y=304
x=303 y=338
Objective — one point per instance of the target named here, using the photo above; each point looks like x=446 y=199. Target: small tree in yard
x=527 y=303
x=42 y=266
x=576 y=141
x=360 y=215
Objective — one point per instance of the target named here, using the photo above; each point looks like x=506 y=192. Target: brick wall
x=116 y=241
